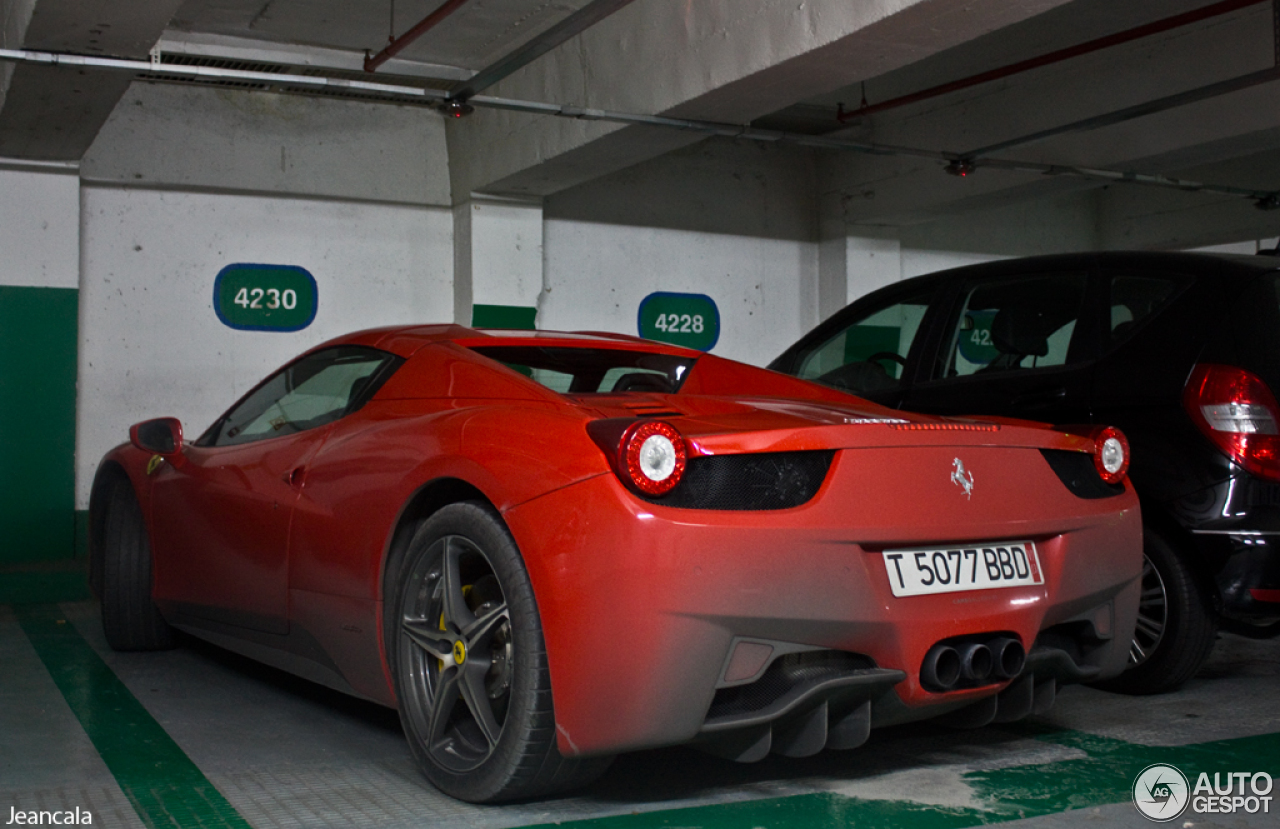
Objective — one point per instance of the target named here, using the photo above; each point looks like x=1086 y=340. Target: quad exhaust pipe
x=972 y=662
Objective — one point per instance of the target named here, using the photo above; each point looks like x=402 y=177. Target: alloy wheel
x=456 y=645
x=1153 y=615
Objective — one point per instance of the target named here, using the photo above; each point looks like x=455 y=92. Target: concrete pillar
x=852 y=266
x=498 y=263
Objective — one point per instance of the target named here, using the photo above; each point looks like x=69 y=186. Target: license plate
x=976 y=567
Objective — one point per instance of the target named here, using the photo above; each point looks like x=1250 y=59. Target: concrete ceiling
x=770 y=63
x=475 y=35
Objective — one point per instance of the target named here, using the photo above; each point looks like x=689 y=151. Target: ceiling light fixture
x=454 y=108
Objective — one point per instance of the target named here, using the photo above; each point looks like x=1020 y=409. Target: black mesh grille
x=756 y=481
x=785 y=673
x=1077 y=471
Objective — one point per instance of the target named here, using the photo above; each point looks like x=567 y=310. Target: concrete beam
x=54 y=113
x=898 y=192
x=1138 y=217
x=717 y=59
x=267 y=143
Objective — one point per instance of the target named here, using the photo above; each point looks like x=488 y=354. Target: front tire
x=1176 y=624
x=470 y=664
x=130 y=619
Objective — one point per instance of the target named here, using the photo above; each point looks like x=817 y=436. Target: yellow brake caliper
x=459 y=649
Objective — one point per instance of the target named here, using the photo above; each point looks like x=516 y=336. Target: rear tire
x=470 y=664
x=129 y=617
x=1177 y=624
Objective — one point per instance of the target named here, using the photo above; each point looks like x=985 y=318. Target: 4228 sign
x=265 y=297
x=690 y=320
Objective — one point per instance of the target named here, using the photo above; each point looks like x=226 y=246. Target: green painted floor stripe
x=164 y=786
x=1102 y=778
x=43 y=587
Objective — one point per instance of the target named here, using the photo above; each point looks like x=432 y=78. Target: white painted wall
x=597 y=274
x=151 y=344
x=183 y=181
x=39 y=228
x=734 y=221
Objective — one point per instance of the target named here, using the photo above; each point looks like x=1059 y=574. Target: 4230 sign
x=265 y=297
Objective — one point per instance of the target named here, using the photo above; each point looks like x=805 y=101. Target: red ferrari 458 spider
x=544 y=549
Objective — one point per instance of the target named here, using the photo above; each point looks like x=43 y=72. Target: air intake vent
x=757 y=481
x=336 y=90
x=224 y=63
x=1076 y=470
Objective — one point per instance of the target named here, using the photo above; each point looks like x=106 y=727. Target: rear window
x=1135 y=298
x=594 y=370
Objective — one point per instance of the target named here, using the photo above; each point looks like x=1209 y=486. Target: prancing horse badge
x=962 y=479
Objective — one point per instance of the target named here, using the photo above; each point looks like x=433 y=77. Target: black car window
x=309 y=392
x=593 y=370
x=1026 y=322
x=1136 y=297
x=869 y=354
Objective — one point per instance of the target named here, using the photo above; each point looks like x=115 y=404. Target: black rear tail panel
x=1077 y=472
x=755 y=481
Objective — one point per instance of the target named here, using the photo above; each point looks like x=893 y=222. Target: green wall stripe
x=82 y=534
x=166 y=789
x=1102 y=778
x=503 y=316
x=38 y=344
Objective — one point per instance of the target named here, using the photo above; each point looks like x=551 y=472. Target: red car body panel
x=282 y=542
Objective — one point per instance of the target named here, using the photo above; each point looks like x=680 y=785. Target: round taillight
x=653 y=456
x=1111 y=454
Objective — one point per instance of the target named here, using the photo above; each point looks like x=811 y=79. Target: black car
x=1180 y=351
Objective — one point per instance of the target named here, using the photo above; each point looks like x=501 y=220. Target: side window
x=1020 y=323
x=1134 y=298
x=310 y=392
x=871 y=353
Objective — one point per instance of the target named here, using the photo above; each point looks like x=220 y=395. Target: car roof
x=405 y=340
x=1230 y=264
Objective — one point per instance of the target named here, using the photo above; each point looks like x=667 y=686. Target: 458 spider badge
x=961 y=478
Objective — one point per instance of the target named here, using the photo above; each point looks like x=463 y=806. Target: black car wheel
x=470 y=664
x=1176 y=624
x=130 y=619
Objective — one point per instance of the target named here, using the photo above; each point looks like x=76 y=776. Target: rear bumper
x=1249 y=581
x=642 y=606
x=1236 y=527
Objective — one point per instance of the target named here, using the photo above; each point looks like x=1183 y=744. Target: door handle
x=294 y=477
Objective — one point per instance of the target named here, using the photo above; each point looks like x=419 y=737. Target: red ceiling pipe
x=398 y=43
x=1116 y=39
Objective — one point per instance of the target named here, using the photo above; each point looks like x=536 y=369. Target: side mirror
x=162 y=436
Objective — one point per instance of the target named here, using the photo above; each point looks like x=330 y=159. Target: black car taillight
x=1235 y=409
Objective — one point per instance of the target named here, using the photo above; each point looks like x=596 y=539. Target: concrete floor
x=200 y=737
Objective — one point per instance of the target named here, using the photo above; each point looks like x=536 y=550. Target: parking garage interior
x=552 y=165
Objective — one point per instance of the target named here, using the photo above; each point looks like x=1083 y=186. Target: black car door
x=1014 y=344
